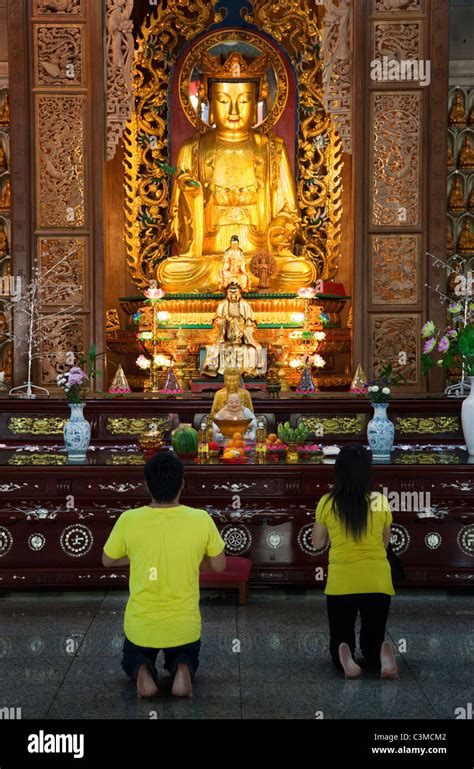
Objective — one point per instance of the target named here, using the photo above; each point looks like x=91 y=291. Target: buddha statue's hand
x=188 y=184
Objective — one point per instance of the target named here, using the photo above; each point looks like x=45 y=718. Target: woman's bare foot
x=146 y=686
x=182 y=684
x=388 y=662
x=351 y=668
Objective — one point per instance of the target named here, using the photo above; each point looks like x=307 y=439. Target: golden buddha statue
x=235 y=346
x=234 y=269
x=450 y=158
x=3 y=160
x=5 y=111
x=471 y=117
x=456 y=201
x=231 y=385
x=233 y=179
x=466 y=238
x=450 y=244
x=466 y=155
x=457 y=114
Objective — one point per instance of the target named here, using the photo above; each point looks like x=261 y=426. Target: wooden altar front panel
x=54 y=521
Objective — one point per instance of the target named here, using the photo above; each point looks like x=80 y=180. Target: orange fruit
x=239 y=444
x=237 y=436
x=272 y=438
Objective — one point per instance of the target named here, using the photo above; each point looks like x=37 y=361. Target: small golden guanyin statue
x=457 y=113
x=233 y=268
x=450 y=244
x=235 y=346
x=233 y=179
x=466 y=155
x=5 y=200
x=456 y=200
x=471 y=117
x=232 y=384
x=466 y=238
x=3 y=241
x=5 y=111
x=450 y=158
x=470 y=203
x=3 y=160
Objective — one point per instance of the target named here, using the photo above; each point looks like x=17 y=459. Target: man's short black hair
x=164 y=476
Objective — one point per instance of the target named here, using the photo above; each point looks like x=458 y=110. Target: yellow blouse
x=357 y=567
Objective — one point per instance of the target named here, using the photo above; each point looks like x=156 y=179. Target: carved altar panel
x=61 y=163
x=337 y=74
x=120 y=47
x=67 y=260
x=63 y=335
x=397 y=40
x=395 y=266
x=57 y=7
x=395 y=166
x=391 y=6
x=392 y=335
x=59 y=52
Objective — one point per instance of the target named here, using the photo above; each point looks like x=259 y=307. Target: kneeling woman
x=357 y=522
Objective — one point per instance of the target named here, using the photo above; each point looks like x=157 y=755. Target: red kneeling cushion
x=237 y=570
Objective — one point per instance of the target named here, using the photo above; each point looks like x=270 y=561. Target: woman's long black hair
x=352 y=487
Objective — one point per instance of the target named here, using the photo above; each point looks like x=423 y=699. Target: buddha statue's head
x=232 y=379
x=234 y=404
x=232 y=89
x=234 y=293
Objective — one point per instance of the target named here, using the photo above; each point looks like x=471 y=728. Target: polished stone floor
x=60 y=658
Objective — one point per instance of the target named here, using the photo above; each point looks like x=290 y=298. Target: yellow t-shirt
x=165 y=547
x=357 y=567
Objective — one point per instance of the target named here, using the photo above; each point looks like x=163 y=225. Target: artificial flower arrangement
x=379 y=390
x=454 y=347
x=75 y=382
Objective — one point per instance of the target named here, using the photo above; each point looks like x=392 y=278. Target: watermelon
x=185 y=442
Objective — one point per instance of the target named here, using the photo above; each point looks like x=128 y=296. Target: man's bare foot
x=182 y=684
x=388 y=662
x=351 y=668
x=146 y=686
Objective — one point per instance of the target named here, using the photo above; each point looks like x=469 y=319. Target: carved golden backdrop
x=160 y=43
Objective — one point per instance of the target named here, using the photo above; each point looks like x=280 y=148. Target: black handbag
x=396 y=565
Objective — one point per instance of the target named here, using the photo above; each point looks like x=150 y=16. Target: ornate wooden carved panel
x=337 y=74
x=60 y=173
x=384 y=6
x=392 y=335
x=395 y=267
x=397 y=40
x=66 y=257
x=120 y=46
x=57 y=7
x=395 y=162
x=59 y=55
x=64 y=335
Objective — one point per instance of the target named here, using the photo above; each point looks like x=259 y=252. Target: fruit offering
x=275 y=444
x=288 y=434
x=185 y=442
x=235 y=448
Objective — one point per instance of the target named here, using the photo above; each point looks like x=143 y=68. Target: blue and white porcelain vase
x=380 y=432
x=467 y=419
x=77 y=433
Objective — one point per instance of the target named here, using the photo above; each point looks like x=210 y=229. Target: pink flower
x=443 y=344
x=143 y=362
x=308 y=292
x=429 y=345
x=154 y=294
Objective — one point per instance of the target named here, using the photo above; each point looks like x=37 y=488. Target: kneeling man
x=166 y=544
